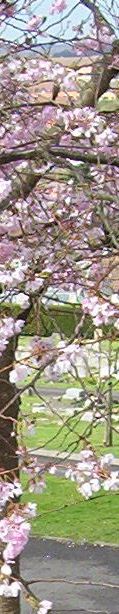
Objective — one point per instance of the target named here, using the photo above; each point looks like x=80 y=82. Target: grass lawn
x=61 y=512
x=52 y=434
x=95 y=520
x=68 y=381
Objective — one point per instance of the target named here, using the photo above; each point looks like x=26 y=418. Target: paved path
x=52 y=559
x=61 y=462
x=53 y=454
x=53 y=391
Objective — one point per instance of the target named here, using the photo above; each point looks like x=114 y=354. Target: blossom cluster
x=8 y=329
x=97 y=40
x=58 y=6
x=92 y=474
x=9 y=490
x=101 y=312
x=14 y=532
x=7 y=10
x=5 y=188
x=53 y=359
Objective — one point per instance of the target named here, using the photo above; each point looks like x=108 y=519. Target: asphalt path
x=49 y=391
x=53 y=392
x=77 y=579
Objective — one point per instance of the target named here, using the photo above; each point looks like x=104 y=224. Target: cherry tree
x=59 y=182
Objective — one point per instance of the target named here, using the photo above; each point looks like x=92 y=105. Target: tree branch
x=76 y=154
x=22 y=185
x=97 y=13
x=54 y=151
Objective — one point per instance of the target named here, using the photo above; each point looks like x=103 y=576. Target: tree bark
x=8 y=447
x=9 y=605
x=109 y=431
x=101 y=76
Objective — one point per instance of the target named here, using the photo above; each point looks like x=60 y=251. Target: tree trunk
x=8 y=447
x=99 y=83
x=109 y=431
x=9 y=605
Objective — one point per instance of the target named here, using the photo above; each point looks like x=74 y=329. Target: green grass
x=67 y=381
x=95 y=520
x=61 y=512
x=50 y=435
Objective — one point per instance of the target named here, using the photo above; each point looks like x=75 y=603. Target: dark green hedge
x=59 y=319
x=8 y=309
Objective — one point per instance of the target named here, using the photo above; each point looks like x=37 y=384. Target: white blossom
x=52 y=470
x=45 y=606
x=6 y=570
x=15 y=588
x=19 y=373
x=115 y=299
x=10 y=590
x=17 y=489
x=68 y=473
x=112 y=483
x=107 y=459
x=86 y=490
x=23 y=300
x=31 y=509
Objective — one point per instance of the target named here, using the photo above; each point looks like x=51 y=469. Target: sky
x=42 y=7
x=15 y=28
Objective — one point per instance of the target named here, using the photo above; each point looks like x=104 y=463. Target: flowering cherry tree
x=59 y=183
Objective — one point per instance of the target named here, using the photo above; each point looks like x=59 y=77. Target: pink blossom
x=96 y=40
x=7 y=9
x=101 y=312
x=3 y=228
x=34 y=284
x=19 y=325
x=37 y=485
x=46 y=240
x=35 y=23
x=8 y=328
x=12 y=550
x=6 y=251
x=14 y=229
x=17 y=276
x=58 y=6
x=115 y=61
x=5 y=188
x=106 y=137
x=15 y=532
x=8 y=491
